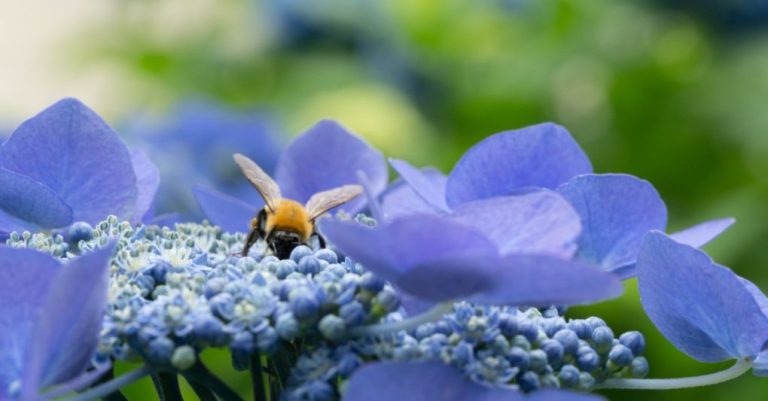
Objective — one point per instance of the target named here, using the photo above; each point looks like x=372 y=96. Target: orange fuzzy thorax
x=290 y=216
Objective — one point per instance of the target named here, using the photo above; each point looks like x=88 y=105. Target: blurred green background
x=671 y=91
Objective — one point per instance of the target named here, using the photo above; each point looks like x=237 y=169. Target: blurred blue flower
x=704 y=309
x=616 y=210
x=436 y=258
x=66 y=165
x=423 y=381
x=324 y=157
x=50 y=318
x=194 y=146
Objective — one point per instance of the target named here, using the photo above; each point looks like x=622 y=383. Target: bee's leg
x=320 y=239
x=256 y=233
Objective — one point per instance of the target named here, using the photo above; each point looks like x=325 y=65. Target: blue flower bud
x=500 y=345
x=223 y=305
x=309 y=265
x=371 y=283
x=594 y=322
x=602 y=337
x=463 y=353
x=146 y=283
x=159 y=269
x=508 y=325
x=299 y=252
x=353 y=313
x=304 y=304
x=183 y=357
x=388 y=300
x=553 y=325
x=210 y=330
x=620 y=355
x=214 y=286
x=554 y=351
x=569 y=376
x=549 y=381
x=267 y=339
x=78 y=231
x=425 y=330
x=587 y=359
x=538 y=360
x=633 y=340
x=332 y=327
x=287 y=327
x=242 y=347
x=581 y=328
x=348 y=363
x=327 y=255
x=568 y=339
x=519 y=358
x=639 y=367
x=521 y=342
x=586 y=381
x=160 y=350
x=528 y=381
x=285 y=268
x=318 y=390
x=528 y=329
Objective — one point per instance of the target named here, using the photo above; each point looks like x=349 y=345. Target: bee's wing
x=266 y=186
x=321 y=202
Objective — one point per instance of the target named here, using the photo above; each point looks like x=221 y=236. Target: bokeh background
x=671 y=91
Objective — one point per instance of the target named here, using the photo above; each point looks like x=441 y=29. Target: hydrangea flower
x=194 y=145
x=440 y=259
x=616 y=210
x=324 y=157
x=423 y=381
x=704 y=309
x=66 y=165
x=50 y=318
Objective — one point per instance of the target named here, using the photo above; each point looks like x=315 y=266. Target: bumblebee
x=284 y=223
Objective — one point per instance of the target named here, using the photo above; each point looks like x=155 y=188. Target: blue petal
x=67 y=326
x=539 y=280
x=25 y=202
x=537 y=222
x=700 y=234
x=429 y=381
x=231 y=214
x=616 y=211
x=543 y=155
x=703 y=308
x=325 y=157
x=760 y=365
x=25 y=277
x=393 y=248
x=401 y=200
x=428 y=183
x=71 y=150
x=147 y=181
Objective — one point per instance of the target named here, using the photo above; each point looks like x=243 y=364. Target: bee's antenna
x=373 y=204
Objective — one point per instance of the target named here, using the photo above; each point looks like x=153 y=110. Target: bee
x=284 y=223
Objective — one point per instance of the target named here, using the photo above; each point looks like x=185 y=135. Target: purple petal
x=701 y=307
x=147 y=181
x=428 y=183
x=429 y=381
x=700 y=234
x=616 y=211
x=539 y=221
x=25 y=277
x=325 y=157
x=71 y=150
x=401 y=200
x=391 y=249
x=25 y=202
x=67 y=327
x=540 y=280
x=231 y=214
x=543 y=155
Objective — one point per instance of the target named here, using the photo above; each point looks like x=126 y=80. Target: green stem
x=202 y=392
x=257 y=378
x=113 y=385
x=738 y=369
x=383 y=329
x=167 y=386
x=200 y=374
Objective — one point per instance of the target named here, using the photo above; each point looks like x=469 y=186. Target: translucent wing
x=266 y=186
x=321 y=202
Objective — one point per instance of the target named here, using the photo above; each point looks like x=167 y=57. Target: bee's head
x=283 y=242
